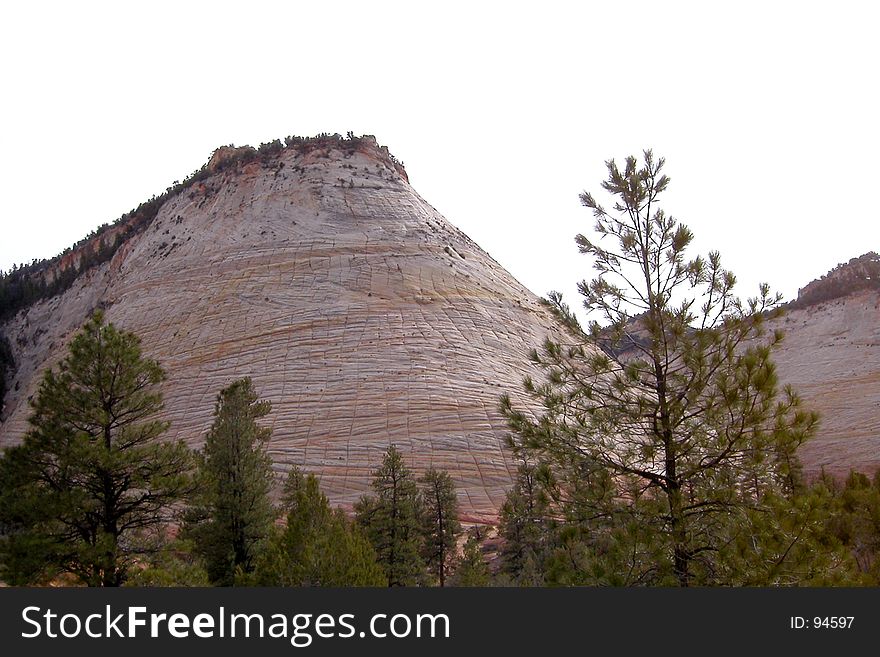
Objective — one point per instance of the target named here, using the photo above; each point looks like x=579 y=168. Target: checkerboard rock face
x=359 y=311
x=831 y=357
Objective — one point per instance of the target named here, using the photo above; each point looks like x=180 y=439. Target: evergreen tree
x=784 y=542
x=524 y=525
x=232 y=515
x=319 y=546
x=441 y=526
x=174 y=564
x=471 y=569
x=667 y=441
x=392 y=521
x=91 y=482
x=854 y=520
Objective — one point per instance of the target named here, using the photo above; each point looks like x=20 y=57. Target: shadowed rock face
x=359 y=311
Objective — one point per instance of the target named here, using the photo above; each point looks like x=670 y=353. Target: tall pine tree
x=664 y=424
x=232 y=515
x=524 y=526
x=441 y=526
x=91 y=484
x=392 y=521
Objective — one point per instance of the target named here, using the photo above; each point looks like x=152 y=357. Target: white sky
x=767 y=114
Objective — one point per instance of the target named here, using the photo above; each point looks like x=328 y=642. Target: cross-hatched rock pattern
x=831 y=356
x=358 y=310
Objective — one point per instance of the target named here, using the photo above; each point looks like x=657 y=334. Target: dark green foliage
x=232 y=516
x=319 y=546
x=18 y=289
x=854 y=520
x=671 y=451
x=175 y=564
x=524 y=524
x=89 y=487
x=271 y=148
x=392 y=520
x=7 y=367
x=471 y=569
x=783 y=542
x=440 y=522
x=27 y=284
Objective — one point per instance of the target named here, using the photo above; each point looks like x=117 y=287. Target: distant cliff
x=862 y=273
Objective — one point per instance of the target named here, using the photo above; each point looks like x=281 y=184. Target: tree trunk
x=110 y=575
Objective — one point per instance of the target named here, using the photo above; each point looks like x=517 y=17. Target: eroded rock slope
x=360 y=312
x=831 y=356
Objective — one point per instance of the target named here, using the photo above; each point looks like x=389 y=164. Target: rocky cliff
x=831 y=355
x=862 y=273
x=361 y=314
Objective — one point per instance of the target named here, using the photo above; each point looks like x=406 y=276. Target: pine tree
x=319 y=546
x=524 y=525
x=854 y=519
x=232 y=515
x=441 y=526
x=665 y=428
x=174 y=564
x=91 y=482
x=392 y=521
x=471 y=569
